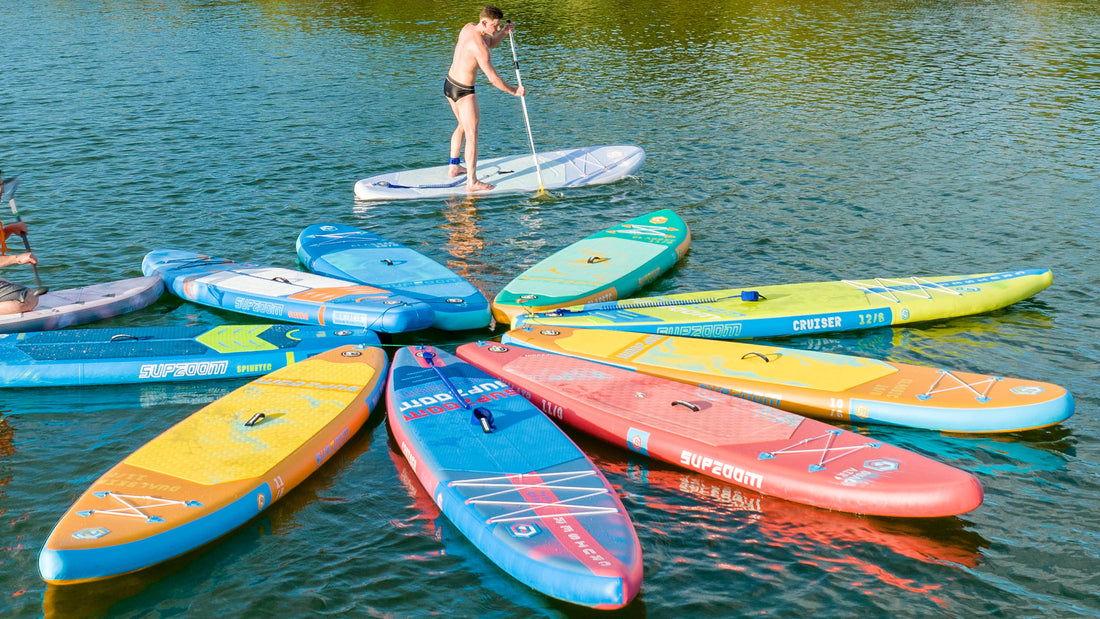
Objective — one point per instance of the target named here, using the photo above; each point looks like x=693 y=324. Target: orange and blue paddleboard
x=285 y=294
x=217 y=469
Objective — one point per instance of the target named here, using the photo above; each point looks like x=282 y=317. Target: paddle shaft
x=526 y=119
x=483 y=415
x=430 y=358
x=26 y=243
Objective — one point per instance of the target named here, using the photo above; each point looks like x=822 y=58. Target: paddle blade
x=544 y=195
x=7 y=191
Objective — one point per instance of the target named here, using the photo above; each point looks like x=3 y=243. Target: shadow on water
x=711 y=540
x=932 y=540
x=103 y=399
x=1044 y=450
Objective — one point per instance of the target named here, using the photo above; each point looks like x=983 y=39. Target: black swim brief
x=10 y=291
x=454 y=90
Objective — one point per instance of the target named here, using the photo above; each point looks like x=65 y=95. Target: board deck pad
x=798 y=309
x=817 y=384
x=162 y=354
x=524 y=494
x=749 y=444
x=216 y=469
x=574 y=167
x=58 y=309
x=285 y=294
x=348 y=253
x=610 y=264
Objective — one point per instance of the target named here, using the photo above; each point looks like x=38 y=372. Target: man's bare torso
x=471 y=44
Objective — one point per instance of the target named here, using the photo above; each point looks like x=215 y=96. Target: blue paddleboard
x=285 y=294
x=162 y=354
x=356 y=255
x=508 y=478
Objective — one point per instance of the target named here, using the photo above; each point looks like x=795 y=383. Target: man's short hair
x=491 y=12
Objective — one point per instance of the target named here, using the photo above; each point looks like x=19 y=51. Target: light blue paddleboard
x=76 y=306
x=285 y=294
x=344 y=252
x=162 y=354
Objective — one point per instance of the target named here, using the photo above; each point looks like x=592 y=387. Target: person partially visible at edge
x=13 y=297
x=471 y=54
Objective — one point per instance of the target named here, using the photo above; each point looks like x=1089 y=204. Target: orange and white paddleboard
x=216 y=469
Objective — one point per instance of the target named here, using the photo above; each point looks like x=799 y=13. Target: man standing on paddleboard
x=13 y=297
x=472 y=53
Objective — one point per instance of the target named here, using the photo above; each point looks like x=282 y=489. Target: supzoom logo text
x=180 y=370
x=716 y=468
x=442 y=402
x=258 y=307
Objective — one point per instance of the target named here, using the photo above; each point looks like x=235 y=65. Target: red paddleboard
x=754 y=446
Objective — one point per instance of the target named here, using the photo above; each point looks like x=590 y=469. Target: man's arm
x=499 y=36
x=19 y=227
x=10 y=259
x=485 y=63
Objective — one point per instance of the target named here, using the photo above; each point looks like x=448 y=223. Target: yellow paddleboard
x=816 y=384
x=795 y=309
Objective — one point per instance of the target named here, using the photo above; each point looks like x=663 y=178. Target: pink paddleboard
x=754 y=446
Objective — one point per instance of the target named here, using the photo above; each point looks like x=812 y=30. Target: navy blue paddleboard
x=162 y=354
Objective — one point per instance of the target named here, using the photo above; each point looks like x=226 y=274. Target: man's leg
x=18 y=307
x=15 y=299
x=469 y=116
x=456 y=142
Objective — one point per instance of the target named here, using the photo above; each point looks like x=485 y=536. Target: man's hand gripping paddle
x=526 y=119
x=8 y=188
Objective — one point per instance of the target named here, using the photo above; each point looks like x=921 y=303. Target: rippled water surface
x=802 y=140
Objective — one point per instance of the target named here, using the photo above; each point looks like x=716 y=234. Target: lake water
x=802 y=140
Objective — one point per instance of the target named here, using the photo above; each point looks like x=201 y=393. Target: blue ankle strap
x=455 y=161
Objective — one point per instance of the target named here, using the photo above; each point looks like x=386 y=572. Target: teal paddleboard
x=608 y=265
